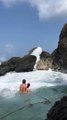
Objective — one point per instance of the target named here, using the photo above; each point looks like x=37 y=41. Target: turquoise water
x=33 y=106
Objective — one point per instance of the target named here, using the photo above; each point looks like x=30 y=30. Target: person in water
x=27 y=89
x=23 y=86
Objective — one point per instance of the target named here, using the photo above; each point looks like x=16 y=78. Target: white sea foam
x=9 y=84
x=37 y=53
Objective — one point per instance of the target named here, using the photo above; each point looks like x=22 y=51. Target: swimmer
x=28 y=89
x=23 y=86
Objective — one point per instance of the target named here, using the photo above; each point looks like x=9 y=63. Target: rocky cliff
x=60 y=54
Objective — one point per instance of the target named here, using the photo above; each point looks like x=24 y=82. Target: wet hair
x=28 y=85
x=23 y=81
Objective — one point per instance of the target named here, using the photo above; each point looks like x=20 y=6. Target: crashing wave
x=37 y=53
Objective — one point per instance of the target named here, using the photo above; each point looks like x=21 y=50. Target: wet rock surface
x=18 y=64
x=59 y=110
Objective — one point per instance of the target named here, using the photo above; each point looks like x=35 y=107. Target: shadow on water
x=30 y=106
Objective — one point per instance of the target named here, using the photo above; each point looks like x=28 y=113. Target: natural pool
x=33 y=106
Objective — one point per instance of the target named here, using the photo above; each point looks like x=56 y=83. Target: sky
x=25 y=24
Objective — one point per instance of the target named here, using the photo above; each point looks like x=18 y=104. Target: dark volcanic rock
x=60 y=54
x=44 y=55
x=18 y=64
x=31 y=50
x=59 y=110
x=56 y=61
x=26 y=64
x=9 y=65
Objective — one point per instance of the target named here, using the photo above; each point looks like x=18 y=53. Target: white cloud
x=7 y=51
x=9 y=48
x=2 y=58
x=8 y=3
x=46 y=8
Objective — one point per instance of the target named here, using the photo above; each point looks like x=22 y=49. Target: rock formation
x=60 y=54
x=59 y=110
x=45 y=61
x=44 y=64
x=31 y=50
x=18 y=64
x=56 y=61
x=44 y=55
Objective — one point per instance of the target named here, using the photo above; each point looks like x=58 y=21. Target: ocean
x=47 y=86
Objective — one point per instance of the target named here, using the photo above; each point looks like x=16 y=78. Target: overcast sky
x=25 y=24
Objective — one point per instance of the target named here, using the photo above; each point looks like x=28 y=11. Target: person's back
x=23 y=86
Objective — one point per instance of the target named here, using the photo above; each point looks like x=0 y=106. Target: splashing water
x=37 y=53
x=14 y=105
x=9 y=84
